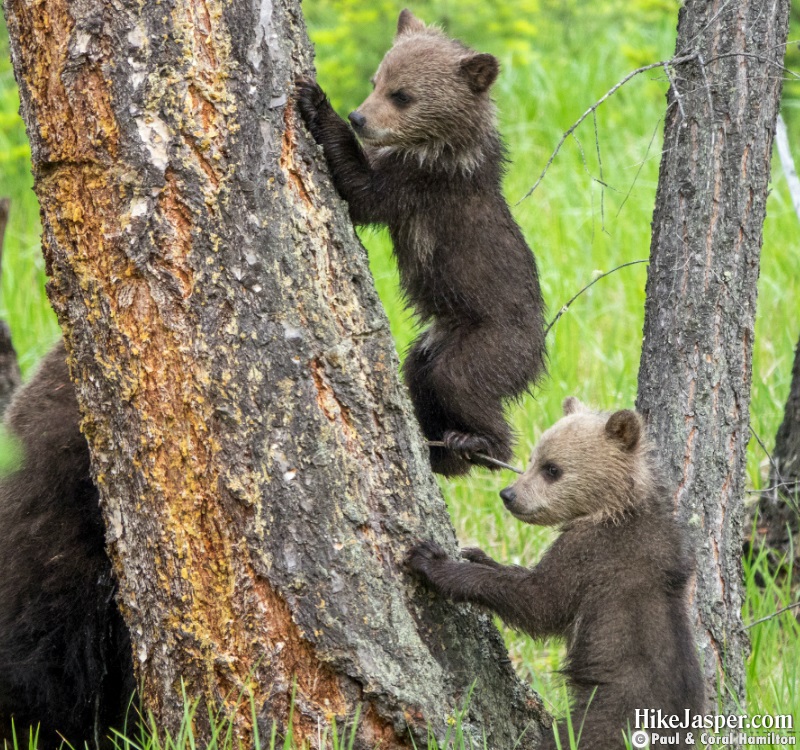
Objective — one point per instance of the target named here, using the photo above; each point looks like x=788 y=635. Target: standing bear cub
x=430 y=165
x=613 y=583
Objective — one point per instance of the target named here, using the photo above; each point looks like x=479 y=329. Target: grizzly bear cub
x=65 y=653
x=429 y=166
x=613 y=583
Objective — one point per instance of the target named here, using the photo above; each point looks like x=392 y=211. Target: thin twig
x=760 y=59
x=707 y=86
x=768 y=454
x=586 y=166
x=699 y=33
x=613 y=90
x=565 y=307
x=665 y=64
x=779 y=486
x=677 y=93
x=772 y=616
x=602 y=178
x=792 y=501
x=479 y=456
x=641 y=166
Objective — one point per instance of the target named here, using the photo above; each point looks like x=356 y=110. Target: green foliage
x=22 y=302
x=773 y=669
x=351 y=36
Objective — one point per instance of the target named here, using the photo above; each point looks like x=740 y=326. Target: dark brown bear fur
x=65 y=654
x=430 y=167
x=613 y=583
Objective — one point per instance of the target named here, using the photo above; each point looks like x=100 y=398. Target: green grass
x=557 y=63
x=773 y=670
x=23 y=303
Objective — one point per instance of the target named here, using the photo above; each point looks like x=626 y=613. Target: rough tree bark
x=261 y=475
x=9 y=367
x=694 y=378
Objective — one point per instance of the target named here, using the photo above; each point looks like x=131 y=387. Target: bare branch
x=772 y=616
x=791 y=73
x=707 y=85
x=566 y=306
x=613 y=90
x=641 y=166
x=602 y=178
x=781 y=483
x=677 y=93
x=768 y=454
x=779 y=486
x=666 y=65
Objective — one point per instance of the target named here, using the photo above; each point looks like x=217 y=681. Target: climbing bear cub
x=613 y=583
x=65 y=653
x=429 y=166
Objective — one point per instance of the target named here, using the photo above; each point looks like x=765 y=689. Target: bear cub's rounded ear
x=408 y=23
x=481 y=71
x=625 y=427
x=572 y=405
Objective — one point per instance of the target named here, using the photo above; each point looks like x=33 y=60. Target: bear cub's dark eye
x=551 y=472
x=400 y=98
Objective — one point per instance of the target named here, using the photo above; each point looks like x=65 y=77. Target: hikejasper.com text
x=656 y=720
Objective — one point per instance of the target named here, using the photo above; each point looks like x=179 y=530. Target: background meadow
x=558 y=57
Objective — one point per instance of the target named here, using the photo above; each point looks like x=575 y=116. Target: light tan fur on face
x=449 y=112
x=603 y=468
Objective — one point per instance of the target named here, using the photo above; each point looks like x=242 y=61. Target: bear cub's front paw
x=310 y=99
x=477 y=555
x=423 y=558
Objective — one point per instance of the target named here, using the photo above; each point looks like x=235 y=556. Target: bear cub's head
x=587 y=465
x=430 y=93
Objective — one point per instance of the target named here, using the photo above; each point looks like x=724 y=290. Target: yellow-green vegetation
x=558 y=56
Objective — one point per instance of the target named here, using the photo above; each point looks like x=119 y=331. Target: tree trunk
x=9 y=367
x=261 y=475
x=694 y=379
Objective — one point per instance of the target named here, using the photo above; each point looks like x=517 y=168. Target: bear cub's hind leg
x=451 y=409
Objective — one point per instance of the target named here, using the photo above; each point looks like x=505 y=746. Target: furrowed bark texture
x=694 y=379
x=9 y=367
x=260 y=471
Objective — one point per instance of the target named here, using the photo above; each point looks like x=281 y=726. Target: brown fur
x=65 y=653
x=613 y=583
x=430 y=167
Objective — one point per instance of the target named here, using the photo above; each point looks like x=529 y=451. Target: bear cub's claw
x=477 y=555
x=310 y=98
x=466 y=445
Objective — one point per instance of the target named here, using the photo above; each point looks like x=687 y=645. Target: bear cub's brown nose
x=357 y=120
x=508 y=495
